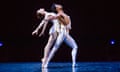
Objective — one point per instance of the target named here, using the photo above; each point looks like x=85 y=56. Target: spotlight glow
x=112 y=42
x=1 y=44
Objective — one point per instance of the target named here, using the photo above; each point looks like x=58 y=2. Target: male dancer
x=65 y=26
x=53 y=31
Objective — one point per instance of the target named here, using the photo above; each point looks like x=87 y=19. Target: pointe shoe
x=73 y=65
x=44 y=65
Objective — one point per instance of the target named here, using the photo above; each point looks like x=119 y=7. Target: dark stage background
x=94 y=24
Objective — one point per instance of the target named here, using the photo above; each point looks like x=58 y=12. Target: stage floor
x=61 y=67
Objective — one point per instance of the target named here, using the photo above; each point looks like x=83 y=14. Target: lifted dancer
x=48 y=16
x=65 y=26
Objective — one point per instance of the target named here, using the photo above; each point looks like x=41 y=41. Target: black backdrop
x=94 y=24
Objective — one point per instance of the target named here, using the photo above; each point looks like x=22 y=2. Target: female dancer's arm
x=39 y=27
x=50 y=17
x=43 y=30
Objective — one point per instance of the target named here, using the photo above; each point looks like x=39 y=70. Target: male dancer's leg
x=55 y=47
x=71 y=42
x=50 y=42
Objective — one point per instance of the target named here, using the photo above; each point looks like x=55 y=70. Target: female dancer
x=48 y=16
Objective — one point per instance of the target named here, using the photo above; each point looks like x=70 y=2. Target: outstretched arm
x=39 y=27
x=43 y=30
x=50 y=17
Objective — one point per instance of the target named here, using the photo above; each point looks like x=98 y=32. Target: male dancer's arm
x=62 y=17
x=65 y=19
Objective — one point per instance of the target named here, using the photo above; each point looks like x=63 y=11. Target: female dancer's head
x=40 y=13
